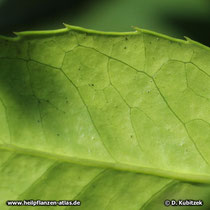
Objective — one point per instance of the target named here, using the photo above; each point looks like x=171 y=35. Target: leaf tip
x=66 y=25
x=16 y=33
x=187 y=39
x=137 y=29
x=190 y=41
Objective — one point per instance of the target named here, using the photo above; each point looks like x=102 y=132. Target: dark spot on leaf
x=131 y=136
x=58 y=134
x=126 y=38
x=125 y=48
x=38 y=121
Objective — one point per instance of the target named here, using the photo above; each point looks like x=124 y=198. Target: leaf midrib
x=115 y=166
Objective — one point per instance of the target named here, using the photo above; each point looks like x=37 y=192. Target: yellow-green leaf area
x=115 y=120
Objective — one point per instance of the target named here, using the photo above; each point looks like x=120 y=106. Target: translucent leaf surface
x=115 y=120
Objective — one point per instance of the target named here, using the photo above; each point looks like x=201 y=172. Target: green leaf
x=115 y=120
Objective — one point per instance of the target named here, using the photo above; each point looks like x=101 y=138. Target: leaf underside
x=115 y=120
